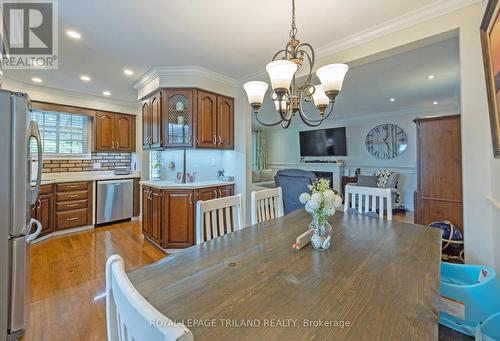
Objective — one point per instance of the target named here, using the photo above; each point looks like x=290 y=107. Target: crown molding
x=27 y=87
x=426 y=13
x=176 y=71
x=423 y=14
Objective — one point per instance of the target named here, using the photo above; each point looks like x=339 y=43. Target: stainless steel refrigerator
x=16 y=197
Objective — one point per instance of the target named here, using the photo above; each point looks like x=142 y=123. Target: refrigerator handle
x=35 y=133
x=35 y=234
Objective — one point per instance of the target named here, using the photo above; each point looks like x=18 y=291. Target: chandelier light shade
x=255 y=91
x=287 y=95
x=281 y=73
x=332 y=76
x=320 y=99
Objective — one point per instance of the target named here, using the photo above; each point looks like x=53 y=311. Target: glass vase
x=321 y=234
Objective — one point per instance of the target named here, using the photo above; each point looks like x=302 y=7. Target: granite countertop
x=164 y=184
x=50 y=178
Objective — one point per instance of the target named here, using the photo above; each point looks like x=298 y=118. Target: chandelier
x=287 y=95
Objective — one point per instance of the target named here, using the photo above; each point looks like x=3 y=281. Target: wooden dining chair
x=129 y=316
x=217 y=217
x=266 y=205
x=370 y=201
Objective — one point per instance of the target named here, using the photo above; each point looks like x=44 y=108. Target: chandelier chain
x=293 y=31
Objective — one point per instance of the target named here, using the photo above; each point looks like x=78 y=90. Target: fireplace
x=325 y=175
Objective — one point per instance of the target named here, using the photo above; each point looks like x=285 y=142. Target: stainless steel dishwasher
x=114 y=200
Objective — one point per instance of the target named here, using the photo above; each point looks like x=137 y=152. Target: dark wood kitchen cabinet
x=178 y=119
x=151 y=213
x=175 y=211
x=186 y=118
x=43 y=209
x=114 y=132
x=151 y=121
x=225 y=122
x=178 y=226
x=206 y=120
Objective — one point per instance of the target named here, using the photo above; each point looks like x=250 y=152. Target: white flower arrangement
x=322 y=202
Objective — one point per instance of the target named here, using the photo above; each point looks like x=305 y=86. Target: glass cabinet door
x=179 y=118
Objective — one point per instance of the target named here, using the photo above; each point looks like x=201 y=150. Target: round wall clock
x=386 y=141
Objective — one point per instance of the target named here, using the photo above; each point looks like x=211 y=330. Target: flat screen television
x=323 y=142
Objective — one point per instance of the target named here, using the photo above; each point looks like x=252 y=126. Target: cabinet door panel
x=206 y=193
x=226 y=191
x=124 y=132
x=206 y=123
x=156 y=215
x=146 y=212
x=146 y=126
x=43 y=211
x=104 y=139
x=155 y=119
x=178 y=228
x=178 y=118
x=225 y=122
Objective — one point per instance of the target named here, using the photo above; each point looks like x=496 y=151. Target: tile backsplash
x=108 y=161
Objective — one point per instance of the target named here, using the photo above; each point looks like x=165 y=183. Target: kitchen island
x=169 y=209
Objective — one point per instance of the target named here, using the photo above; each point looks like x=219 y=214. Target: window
x=63 y=135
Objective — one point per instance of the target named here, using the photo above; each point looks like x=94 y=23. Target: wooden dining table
x=378 y=281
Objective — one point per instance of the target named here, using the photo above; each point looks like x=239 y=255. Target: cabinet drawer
x=71 y=205
x=74 y=218
x=72 y=186
x=45 y=189
x=65 y=196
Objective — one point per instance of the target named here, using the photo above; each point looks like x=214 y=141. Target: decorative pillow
x=382 y=175
x=256 y=176
x=367 y=181
x=266 y=175
x=392 y=181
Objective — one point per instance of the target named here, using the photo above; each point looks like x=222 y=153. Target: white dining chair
x=129 y=316
x=266 y=205
x=370 y=201
x=217 y=217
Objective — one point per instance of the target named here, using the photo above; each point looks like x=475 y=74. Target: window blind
x=62 y=133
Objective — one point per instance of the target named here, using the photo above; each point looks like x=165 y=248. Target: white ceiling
x=369 y=86
x=232 y=37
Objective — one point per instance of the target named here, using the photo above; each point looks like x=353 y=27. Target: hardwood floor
x=67 y=280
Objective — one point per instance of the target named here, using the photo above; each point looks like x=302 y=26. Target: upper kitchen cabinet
x=225 y=122
x=114 y=132
x=185 y=118
x=178 y=118
x=215 y=125
x=206 y=120
x=151 y=121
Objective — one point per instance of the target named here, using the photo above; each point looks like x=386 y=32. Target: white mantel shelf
x=164 y=184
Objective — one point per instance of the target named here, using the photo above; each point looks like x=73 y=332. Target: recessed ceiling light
x=128 y=72
x=36 y=80
x=431 y=77
x=106 y=93
x=435 y=102
x=73 y=34
x=392 y=99
x=85 y=78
